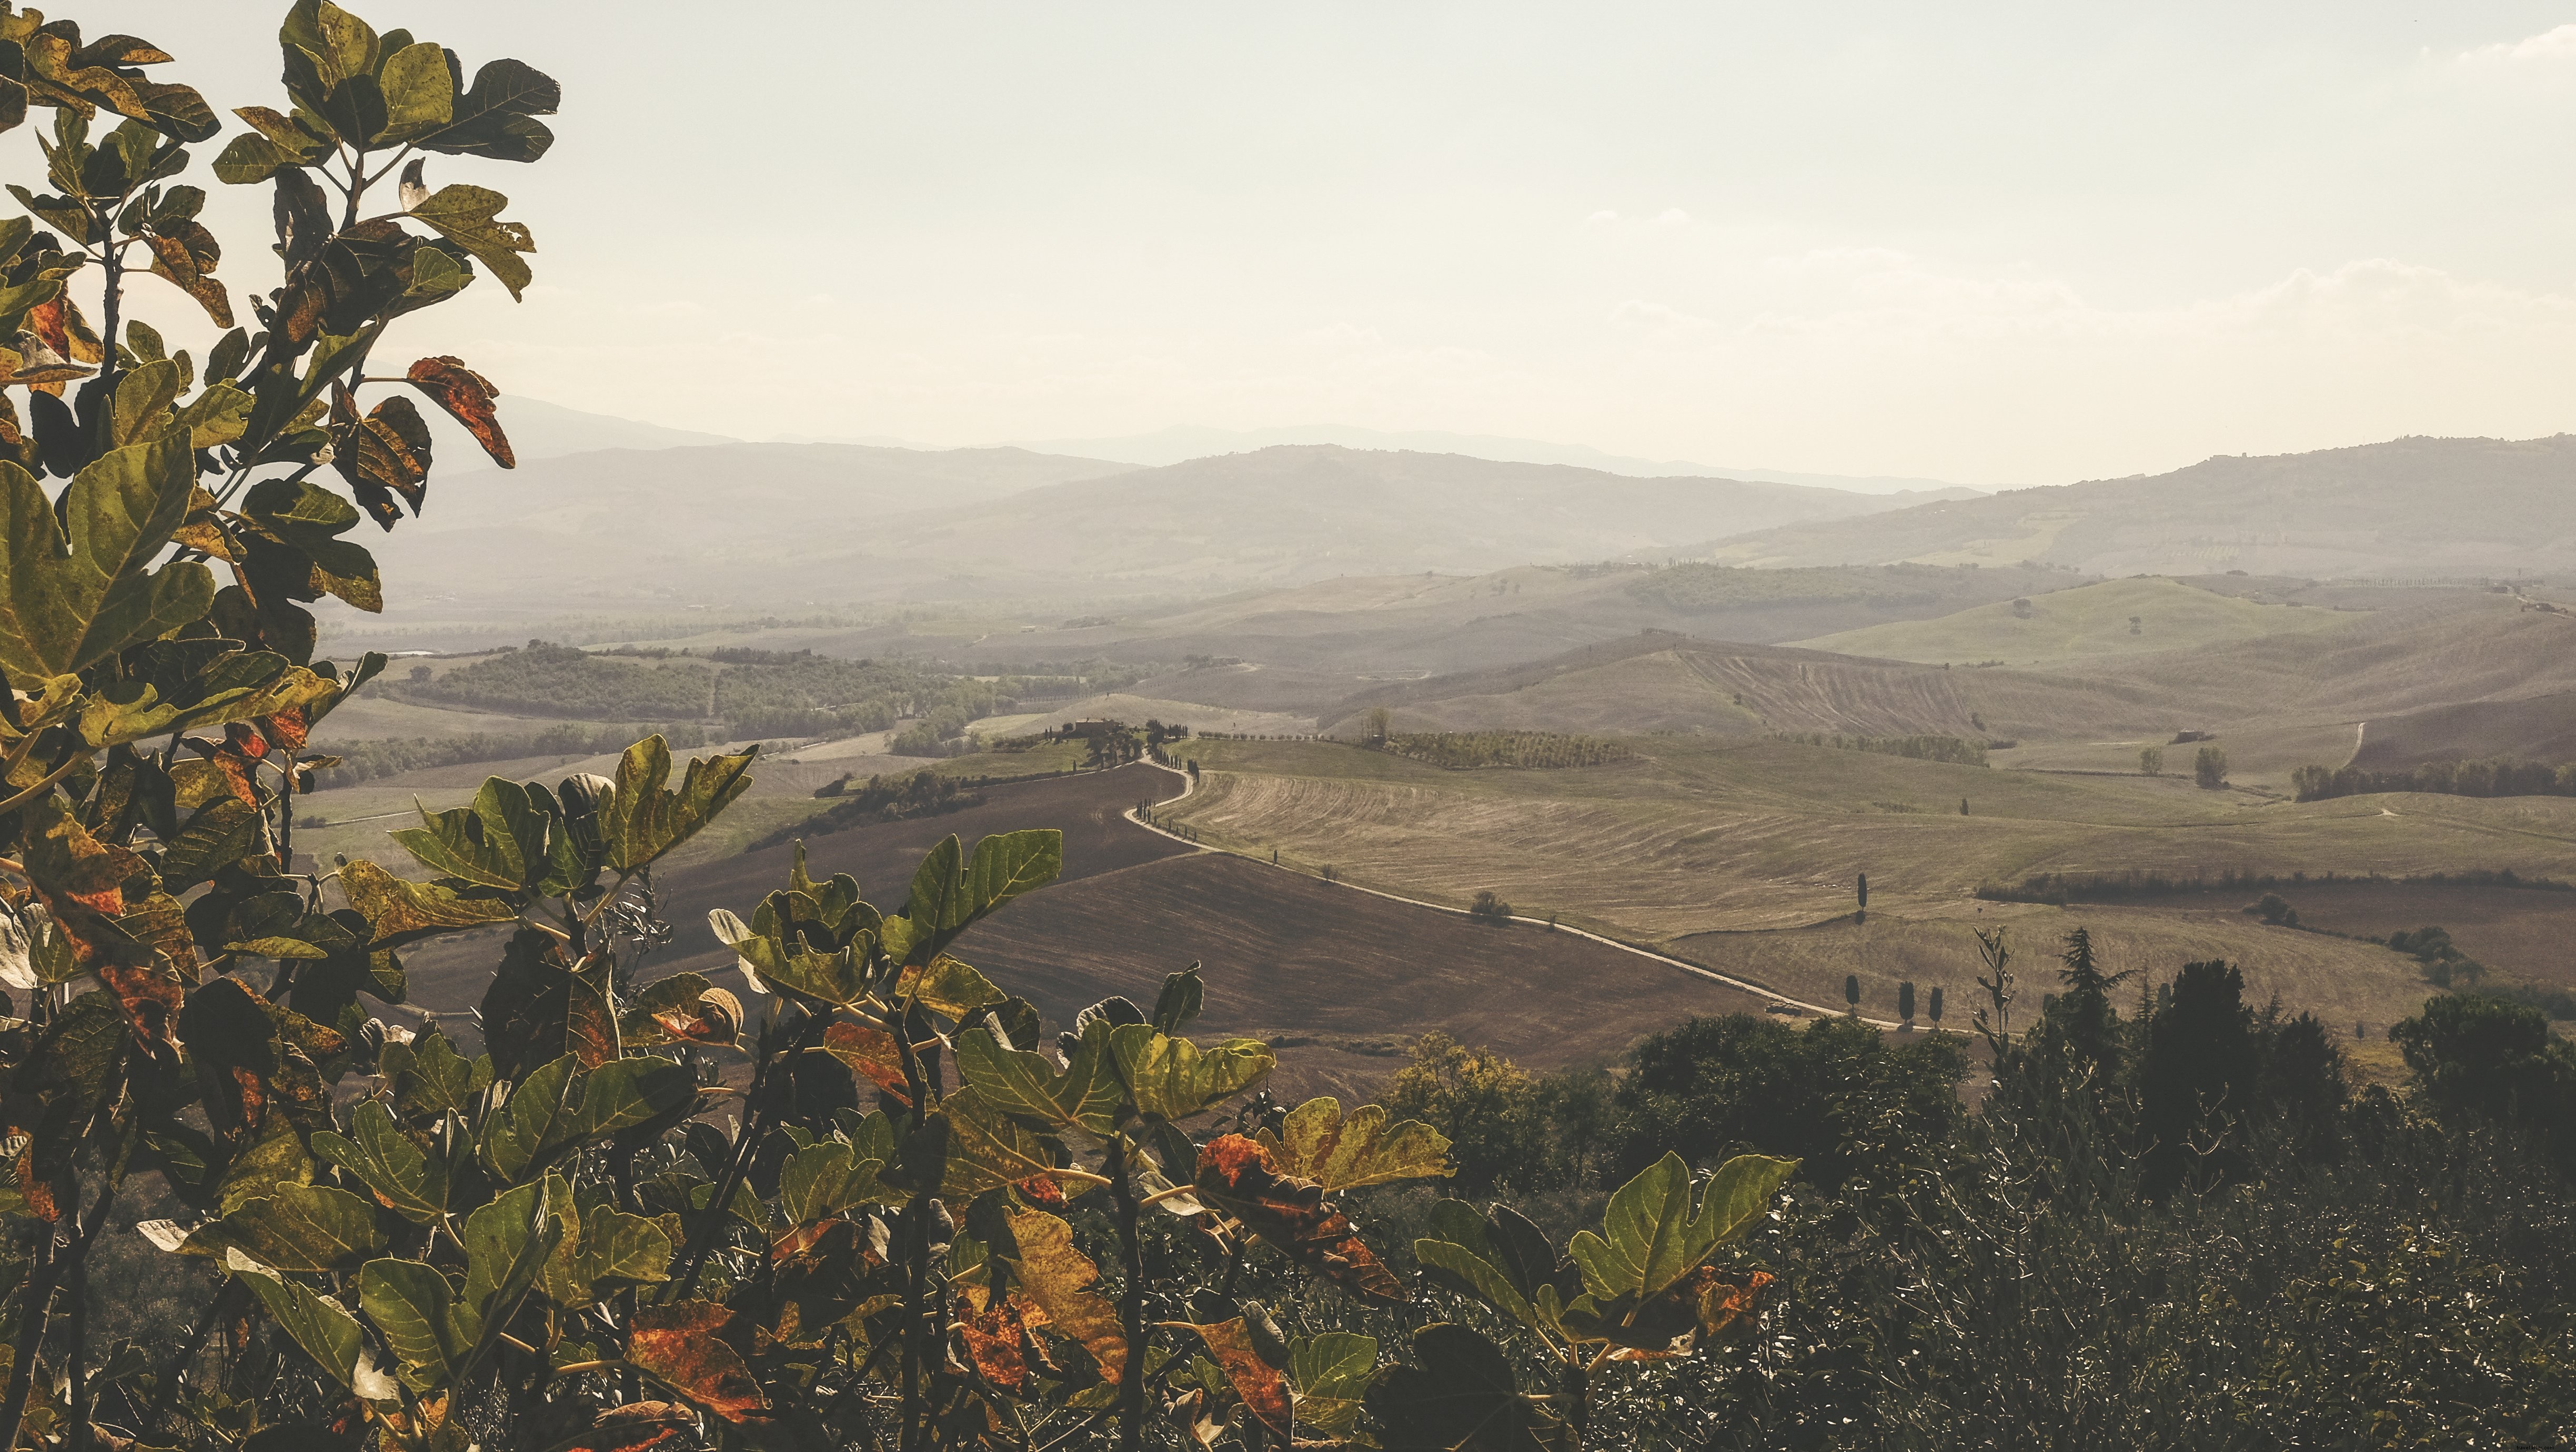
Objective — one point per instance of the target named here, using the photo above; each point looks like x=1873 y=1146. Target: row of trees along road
x=873 y=1210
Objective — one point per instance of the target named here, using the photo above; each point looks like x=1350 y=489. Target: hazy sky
x=1991 y=243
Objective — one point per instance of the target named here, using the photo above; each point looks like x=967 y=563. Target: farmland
x=1718 y=848
x=2115 y=617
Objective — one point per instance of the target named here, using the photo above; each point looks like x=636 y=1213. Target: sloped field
x=2113 y=618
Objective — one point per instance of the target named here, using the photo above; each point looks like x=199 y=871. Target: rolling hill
x=2113 y=618
x=1291 y=514
x=2409 y=508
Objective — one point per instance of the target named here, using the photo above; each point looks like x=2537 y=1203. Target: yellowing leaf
x=1316 y=1143
x=1058 y=1278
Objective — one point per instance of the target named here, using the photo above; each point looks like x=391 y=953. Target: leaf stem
x=42 y=787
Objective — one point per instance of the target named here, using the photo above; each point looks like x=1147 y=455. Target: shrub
x=2209 y=767
x=1489 y=908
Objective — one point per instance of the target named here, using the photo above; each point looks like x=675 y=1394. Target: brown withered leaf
x=681 y=1345
x=468 y=398
x=631 y=1428
x=1263 y=1387
x=384 y=456
x=1237 y=1176
x=871 y=1051
x=998 y=1339
x=174 y=263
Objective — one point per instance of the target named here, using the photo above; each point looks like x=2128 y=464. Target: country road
x=1188 y=786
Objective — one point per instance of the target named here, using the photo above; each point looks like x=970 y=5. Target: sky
x=1998 y=244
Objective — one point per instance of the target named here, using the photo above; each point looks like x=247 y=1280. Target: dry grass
x=1703 y=837
x=2339 y=980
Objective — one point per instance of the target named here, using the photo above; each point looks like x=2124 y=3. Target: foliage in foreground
x=2173 y=1226
x=874 y=1211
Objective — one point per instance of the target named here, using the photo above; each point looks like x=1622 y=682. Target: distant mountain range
x=542 y=430
x=776 y=527
x=1185 y=442
x=2409 y=508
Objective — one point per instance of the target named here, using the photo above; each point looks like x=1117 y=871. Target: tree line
x=2173 y=1221
x=352 y=763
x=1955 y=750
x=1471 y=750
x=2485 y=777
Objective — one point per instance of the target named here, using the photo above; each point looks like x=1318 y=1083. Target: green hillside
x=2116 y=617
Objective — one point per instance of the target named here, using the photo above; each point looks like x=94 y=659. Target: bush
x=2209 y=767
x=1490 y=908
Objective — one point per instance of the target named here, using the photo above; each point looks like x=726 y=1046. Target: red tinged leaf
x=680 y=1345
x=1262 y=1387
x=871 y=1051
x=1041 y=1191
x=999 y=1340
x=468 y=398
x=1237 y=1176
x=152 y=999
x=286 y=730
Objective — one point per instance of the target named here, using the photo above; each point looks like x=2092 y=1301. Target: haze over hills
x=773 y=526
x=1184 y=442
x=542 y=430
x=2408 y=508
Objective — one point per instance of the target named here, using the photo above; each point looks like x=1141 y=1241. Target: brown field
x=2542 y=728
x=448 y=975
x=1339 y=977
x=2518 y=932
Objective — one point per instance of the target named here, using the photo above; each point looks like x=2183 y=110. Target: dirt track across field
x=1341 y=978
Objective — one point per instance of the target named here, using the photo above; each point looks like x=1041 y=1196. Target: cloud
x=1655 y=314
x=1601 y=217
x=2548 y=46
x=1673 y=217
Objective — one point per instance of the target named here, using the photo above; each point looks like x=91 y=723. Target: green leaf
x=398 y=911
x=323 y=1327
x=823 y=1179
x=407 y=1177
x=540 y=1112
x=629 y=1092
x=1182 y=997
x=1172 y=1079
x=143 y=400
x=1331 y=1372
x=507 y=1244
x=70 y=600
x=949 y=988
x=1085 y=1096
x=619 y=1249
x=420 y=95
x=986 y=1149
x=498 y=841
x=431 y=1078
x=413 y=1307
x=645 y=820
x=1459 y=1395
x=1504 y=1261
x=469 y=216
x=249 y=159
x=1315 y=1143
x=1649 y=1238
x=221 y=833
x=496 y=117
x=300 y=1228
